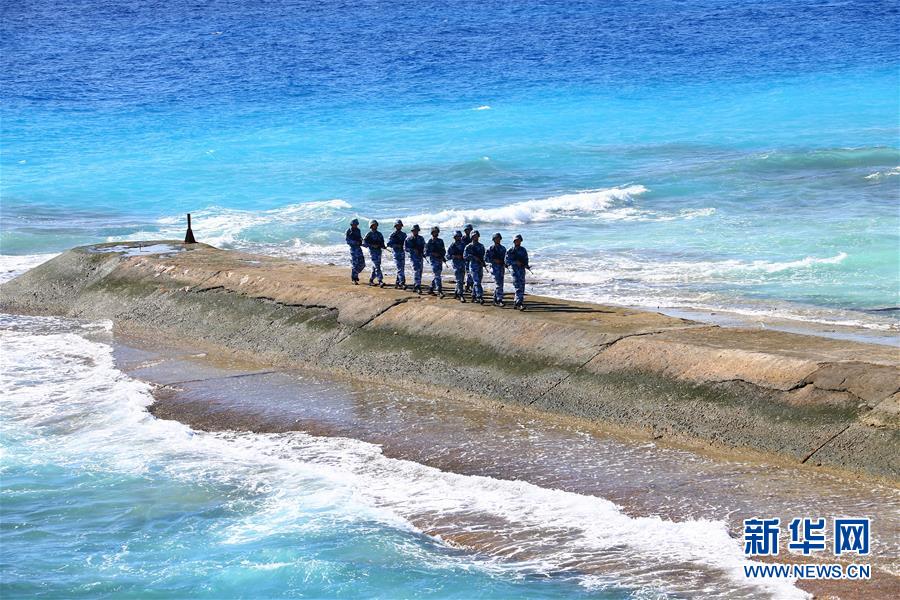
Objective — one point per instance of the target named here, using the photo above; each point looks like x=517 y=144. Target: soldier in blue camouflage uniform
x=467 y=239
x=474 y=255
x=517 y=259
x=353 y=237
x=455 y=253
x=495 y=257
x=374 y=241
x=437 y=255
x=415 y=246
x=396 y=243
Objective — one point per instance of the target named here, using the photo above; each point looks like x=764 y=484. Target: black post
x=189 y=236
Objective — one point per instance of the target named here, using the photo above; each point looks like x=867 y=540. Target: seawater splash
x=228 y=227
x=13 y=266
x=588 y=203
x=67 y=405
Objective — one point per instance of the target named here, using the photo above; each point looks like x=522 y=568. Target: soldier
x=455 y=253
x=374 y=241
x=474 y=255
x=467 y=239
x=415 y=245
x=434 y=248
x=517 y=260
x=353 y=237
x=396 y=244
x=496 y=255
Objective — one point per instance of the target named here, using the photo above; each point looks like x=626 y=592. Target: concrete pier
x=808 y=399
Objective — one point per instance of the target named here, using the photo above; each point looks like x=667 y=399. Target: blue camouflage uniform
x=474 y=255
x=494 y=256
x=455 y=253
x=396 y=244
x=415 y=245
x=517 y=259
x=374 y=241
x=353 y=238
x=434 y=249
x=467 y=239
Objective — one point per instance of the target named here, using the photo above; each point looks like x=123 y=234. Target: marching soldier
x=415 y=246
x=467 y=239
x=455 y=253
x=495 y=256
x=474 y=256
x=517 y=260
x=396 y=243
x=434 y=248
x=374 y=241
x=353 y=237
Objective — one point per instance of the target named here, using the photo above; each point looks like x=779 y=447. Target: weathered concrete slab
x=816 y=400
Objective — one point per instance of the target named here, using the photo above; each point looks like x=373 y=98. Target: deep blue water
x=737 y=156
x=120 y=117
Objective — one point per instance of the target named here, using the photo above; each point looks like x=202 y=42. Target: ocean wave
x=883 y=174
x=829 y=158
x=591 y=202
x=608 y=269
x=69 y=403
x=14 y=265
x=228 y=227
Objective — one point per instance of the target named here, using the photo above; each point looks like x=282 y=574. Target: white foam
x=14 y=265
x=65 y=402
x=884 y=174
x=482 y=107
x=592 y=202
x=225 y=227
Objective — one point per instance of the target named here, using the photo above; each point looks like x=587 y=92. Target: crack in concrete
x=600 y=351
x=262 y=298
x=397 y=302
x=825 y=443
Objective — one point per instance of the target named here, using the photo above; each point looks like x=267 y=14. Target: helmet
x=373 y=223
x=468 y=227
x=354 y=222
x=435 y=229
x=474 y=233
x=518 y=237
x=398 y=222
x=415 y=228
x=457 y=234
x=497 y=236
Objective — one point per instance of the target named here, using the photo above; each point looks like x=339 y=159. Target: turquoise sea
x=720 y=155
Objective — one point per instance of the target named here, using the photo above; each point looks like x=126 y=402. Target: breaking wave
x=883 y=174
x=597 y=203
x=228 y=227
x=66 y=400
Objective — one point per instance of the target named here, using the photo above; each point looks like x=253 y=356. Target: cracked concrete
x=816 y=400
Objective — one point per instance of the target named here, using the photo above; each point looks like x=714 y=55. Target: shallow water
x=374 y=492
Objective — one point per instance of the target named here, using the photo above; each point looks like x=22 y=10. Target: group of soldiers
x=467 y=254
